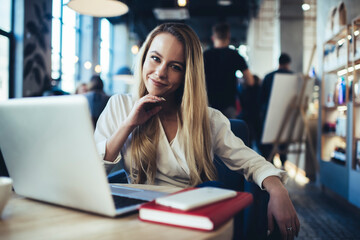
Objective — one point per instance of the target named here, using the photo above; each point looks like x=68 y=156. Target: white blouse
x=172 y=168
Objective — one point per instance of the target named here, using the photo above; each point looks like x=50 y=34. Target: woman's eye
x=177 y=68
x=155 y=58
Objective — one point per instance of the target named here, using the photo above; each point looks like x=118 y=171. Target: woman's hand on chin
x=144 y=109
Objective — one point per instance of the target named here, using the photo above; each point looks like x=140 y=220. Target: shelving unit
x=334 y=162
x=354 y=169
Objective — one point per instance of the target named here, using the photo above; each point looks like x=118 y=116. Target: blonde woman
x=168 y=135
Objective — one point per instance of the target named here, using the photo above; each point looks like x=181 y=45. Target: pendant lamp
x=99 y=8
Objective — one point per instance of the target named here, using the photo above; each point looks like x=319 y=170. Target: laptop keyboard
x=121 y=201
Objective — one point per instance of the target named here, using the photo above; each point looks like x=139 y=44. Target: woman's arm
x=143 y=109
x=238 y=157
x=117 y=140
x=281 y=209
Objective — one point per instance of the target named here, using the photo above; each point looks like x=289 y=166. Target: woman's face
x=164 y=66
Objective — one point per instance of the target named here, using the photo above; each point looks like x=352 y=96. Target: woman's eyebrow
x=156 y=52
x=174 y=61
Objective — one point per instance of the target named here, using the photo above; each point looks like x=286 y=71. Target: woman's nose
x=161 y=70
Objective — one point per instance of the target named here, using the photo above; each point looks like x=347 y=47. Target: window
x=64 y=57
x=5 y=33
x=106 y=54
x=66 y=50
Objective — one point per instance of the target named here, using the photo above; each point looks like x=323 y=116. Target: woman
x=168 y=136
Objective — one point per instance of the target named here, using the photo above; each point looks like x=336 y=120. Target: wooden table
x=23 y=218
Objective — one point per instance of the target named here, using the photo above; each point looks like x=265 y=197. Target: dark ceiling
x=203 y=14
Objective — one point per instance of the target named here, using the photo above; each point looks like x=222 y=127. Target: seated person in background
x=169 y=135
x=96 y=97
x=53 y=89
x=81 y=88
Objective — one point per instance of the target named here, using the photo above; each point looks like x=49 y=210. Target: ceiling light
x=305 y=7
x=171 y=13
x=224 y=2
x=99 y=8
x=181 y=3
x=87 y=65
x=239 y=74
x=97 y=69
x=135 y=49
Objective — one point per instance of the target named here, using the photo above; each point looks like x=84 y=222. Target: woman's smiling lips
x=157 y=83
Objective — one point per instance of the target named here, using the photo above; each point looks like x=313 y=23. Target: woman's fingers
x=284 y=232
x=270 y=223
x=150 y=102
x=144 y=108
x=286 y=218
x=295 y=223
x=292 y=228
x=290 y=232
x=152 y=98
x=154 y=111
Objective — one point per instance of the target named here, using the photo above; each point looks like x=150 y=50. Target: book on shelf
x=206 y=218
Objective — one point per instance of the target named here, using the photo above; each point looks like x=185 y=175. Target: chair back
x=227 y=177
x=252 y=222
x=240 y=129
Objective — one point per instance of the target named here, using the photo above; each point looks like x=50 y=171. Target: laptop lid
x=50 y=152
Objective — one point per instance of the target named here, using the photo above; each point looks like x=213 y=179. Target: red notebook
x=206 y=218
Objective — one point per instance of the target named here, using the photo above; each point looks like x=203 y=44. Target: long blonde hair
x=192 y=109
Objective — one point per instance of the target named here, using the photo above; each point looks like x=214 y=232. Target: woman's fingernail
x=268 y=232
x=162 y=98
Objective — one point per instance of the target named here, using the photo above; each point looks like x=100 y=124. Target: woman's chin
x=156 y=93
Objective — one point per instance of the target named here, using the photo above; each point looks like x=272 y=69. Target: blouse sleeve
x=237 y=156
x=115 y=112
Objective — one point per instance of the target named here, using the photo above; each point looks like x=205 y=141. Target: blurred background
x=46 y=43
x=56 y=47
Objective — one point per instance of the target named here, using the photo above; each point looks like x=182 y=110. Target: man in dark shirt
x=221 y=63
x=265 y=91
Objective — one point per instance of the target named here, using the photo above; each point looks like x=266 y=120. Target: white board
x=284 y=90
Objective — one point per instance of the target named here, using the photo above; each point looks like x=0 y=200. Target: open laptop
x=50 y=153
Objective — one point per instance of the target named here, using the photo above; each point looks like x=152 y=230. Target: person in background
x=168 y=135
x=249 y=100
x=53 y=89
x=221 y=63
x=265 y=91
x=96 y=97
x=81 y=88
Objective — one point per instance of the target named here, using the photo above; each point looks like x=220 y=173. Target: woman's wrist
x=127 y=126
x=273 y=184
